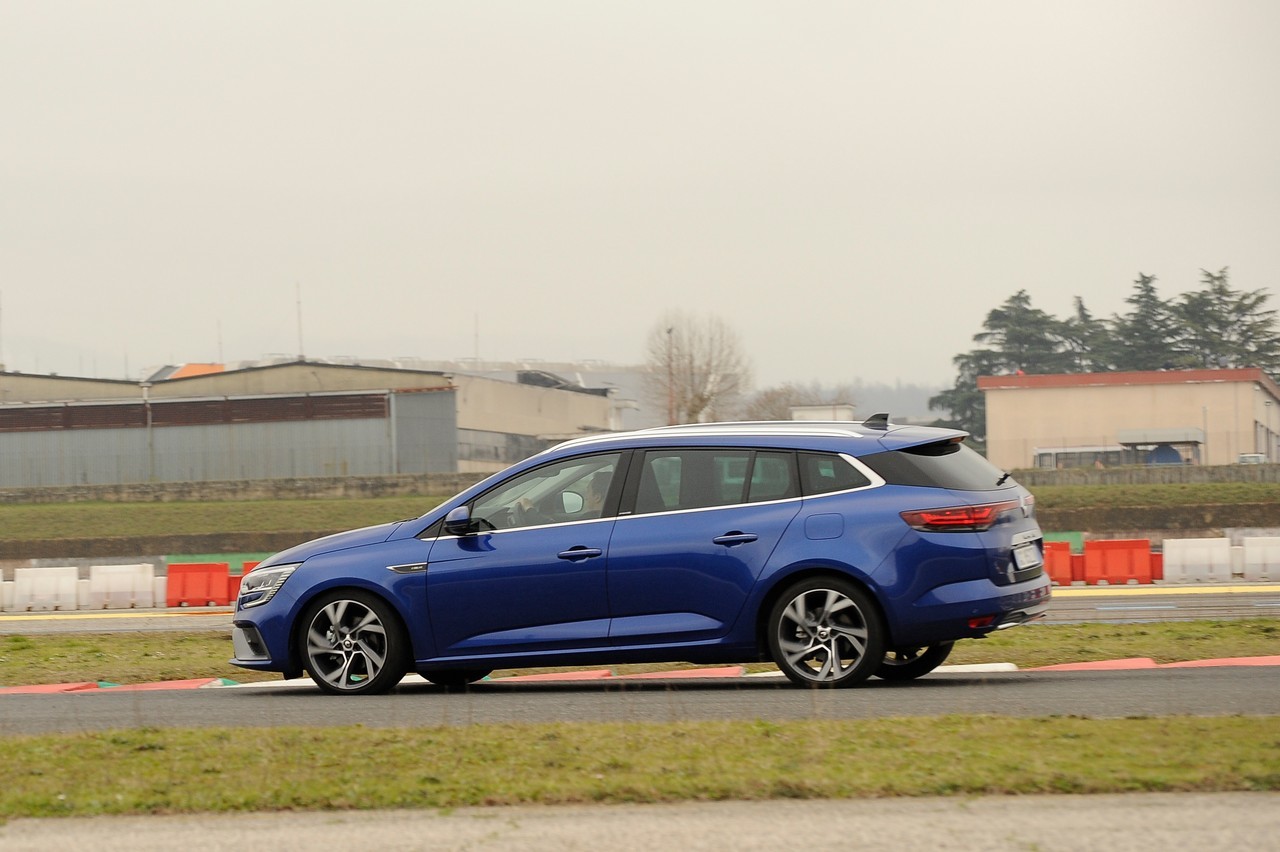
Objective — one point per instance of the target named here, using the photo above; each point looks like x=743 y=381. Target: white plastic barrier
x=1197 y=560
x=1262 y=558
x=44 y=588
x=6 y=596
x=121 y=586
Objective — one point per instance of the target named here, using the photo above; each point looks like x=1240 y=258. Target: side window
x=822 y=473
x=569 y=490
x=773 y=477
x=672 y=480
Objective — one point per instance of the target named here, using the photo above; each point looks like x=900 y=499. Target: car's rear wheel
x=825 y=632
x=456 y=678
x=911 y=663
x=352 y=643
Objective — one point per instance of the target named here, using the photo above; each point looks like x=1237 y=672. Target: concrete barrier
x=198 y=584
x=1117 y=563
x=121 y=586
x=37 y=589
x=1197 y=560
x=1261 y=558
x=1057 y=562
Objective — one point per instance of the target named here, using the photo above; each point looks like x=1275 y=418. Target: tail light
x=959 y=518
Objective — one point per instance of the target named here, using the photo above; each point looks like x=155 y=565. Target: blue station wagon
x=836 y=550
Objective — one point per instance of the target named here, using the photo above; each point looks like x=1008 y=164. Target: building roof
x=1142 y=377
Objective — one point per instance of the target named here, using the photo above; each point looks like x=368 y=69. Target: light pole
x=1268 y=429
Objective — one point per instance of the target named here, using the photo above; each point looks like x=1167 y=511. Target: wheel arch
x=305 y=603
x=806 y=572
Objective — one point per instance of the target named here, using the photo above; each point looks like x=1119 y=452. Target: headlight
x=261 y=584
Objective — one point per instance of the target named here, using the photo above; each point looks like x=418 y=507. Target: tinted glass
x=822 y=473
x=691 y=479
x=941 y=465
x=773 y=477
x=572 y=490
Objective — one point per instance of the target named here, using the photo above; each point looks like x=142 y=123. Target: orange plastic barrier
x=1057 y=562
x=1117 y=562
x=198 y=584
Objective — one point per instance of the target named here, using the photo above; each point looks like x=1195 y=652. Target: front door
x=532 y=578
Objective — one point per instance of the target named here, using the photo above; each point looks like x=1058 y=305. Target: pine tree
x=1146 y=338
x=1026 y=338
x=1222 y=327
x=1088 y=340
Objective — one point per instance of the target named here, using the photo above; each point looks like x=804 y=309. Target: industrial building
x=1205 y=417
x=295 y=419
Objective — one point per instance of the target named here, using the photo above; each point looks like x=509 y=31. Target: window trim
x=608 y=511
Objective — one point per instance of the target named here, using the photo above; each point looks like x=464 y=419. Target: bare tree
x=696 y=368
x=775 y=403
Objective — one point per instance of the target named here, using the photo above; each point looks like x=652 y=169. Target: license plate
x=1027 y=556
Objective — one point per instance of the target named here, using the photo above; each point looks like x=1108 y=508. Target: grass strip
x=41 y=521
x=219 y=770
x=1159 y=496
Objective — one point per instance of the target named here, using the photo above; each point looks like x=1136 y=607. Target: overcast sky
x=850 y=186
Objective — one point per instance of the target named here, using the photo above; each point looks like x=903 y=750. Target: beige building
x=286 y=420
x=1209 y=417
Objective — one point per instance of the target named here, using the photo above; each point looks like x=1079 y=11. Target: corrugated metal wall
x=426 y=432
x=419 y=436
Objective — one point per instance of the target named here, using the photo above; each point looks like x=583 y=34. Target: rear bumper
x=969 y=610
x=1028 y=605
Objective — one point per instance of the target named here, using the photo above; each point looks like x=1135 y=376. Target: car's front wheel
x=911 y=663
x=826 y=632
x=352 y=643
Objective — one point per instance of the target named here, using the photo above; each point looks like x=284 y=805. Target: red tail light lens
x=958 y=518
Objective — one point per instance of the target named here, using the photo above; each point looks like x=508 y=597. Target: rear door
x=695 y=529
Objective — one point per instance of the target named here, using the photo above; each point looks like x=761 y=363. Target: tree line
x=1213 y=327
x=696 y=370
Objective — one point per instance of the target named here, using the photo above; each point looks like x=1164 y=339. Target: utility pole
x=298 y=292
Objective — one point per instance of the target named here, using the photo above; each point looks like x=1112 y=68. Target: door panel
x=532 y=589
x=669 y=578
x=688 y=545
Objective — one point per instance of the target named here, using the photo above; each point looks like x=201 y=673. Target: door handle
x=732 y=538
x=575 y=553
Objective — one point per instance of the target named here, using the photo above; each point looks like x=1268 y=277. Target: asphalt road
x=1161 y=691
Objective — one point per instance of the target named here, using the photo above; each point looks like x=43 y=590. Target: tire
x=911 y=663
x=456 y=678
x=826 y=632
x=351 y=643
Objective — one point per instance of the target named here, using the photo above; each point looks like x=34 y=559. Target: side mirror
x=458 y=521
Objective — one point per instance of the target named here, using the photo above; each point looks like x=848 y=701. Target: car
x=836 y=550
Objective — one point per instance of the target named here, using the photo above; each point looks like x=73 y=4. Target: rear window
x=822 y=473
x=941 y=465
